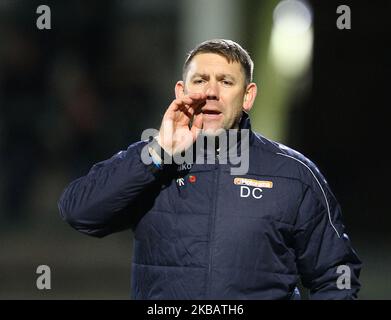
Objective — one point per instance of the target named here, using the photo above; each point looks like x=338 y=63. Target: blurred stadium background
x=78 y=93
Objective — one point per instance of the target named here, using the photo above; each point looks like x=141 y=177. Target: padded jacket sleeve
x=326 y=261
x=107 y=198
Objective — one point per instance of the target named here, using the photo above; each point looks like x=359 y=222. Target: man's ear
x=249 y=96
x=179 y=89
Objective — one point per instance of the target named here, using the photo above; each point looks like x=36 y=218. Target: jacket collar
x=245 y=122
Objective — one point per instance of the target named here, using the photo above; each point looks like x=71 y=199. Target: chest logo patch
x=253 y=183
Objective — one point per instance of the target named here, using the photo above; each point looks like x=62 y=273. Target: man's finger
x=197 y=96
x=193 y=100
x=197 y=124
x=186 y=110
x=196 y=106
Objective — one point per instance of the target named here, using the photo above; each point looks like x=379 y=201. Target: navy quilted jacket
x=202 y=233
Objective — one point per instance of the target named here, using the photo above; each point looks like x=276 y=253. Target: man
x=201 y=232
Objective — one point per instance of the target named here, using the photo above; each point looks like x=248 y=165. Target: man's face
x=224 y=85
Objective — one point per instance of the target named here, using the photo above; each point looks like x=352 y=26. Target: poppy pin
x=192 y=179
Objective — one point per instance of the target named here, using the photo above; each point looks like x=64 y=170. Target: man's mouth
x=211 y=112
x=211 y=115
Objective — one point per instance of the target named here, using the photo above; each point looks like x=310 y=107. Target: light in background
x=291 y=38
x=283 y=63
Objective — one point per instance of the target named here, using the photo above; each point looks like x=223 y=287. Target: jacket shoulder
x=288 y=162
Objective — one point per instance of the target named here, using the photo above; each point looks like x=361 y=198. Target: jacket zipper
x=212 y=224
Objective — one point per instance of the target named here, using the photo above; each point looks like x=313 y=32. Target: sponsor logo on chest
x=252 y=188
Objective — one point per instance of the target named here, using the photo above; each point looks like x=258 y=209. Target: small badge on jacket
x=253 y=183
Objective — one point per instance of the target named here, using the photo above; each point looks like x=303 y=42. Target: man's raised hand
x=175 y=134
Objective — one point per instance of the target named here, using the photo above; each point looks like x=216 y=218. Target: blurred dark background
x=78 y=93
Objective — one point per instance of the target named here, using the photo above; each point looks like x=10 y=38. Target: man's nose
x=212 y=91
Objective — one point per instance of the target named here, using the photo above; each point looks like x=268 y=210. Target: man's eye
x=227 y=83
x=198 y=81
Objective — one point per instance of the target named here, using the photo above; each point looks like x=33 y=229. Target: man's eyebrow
x=226 y=75
x=201 y=75
x=219 y=75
